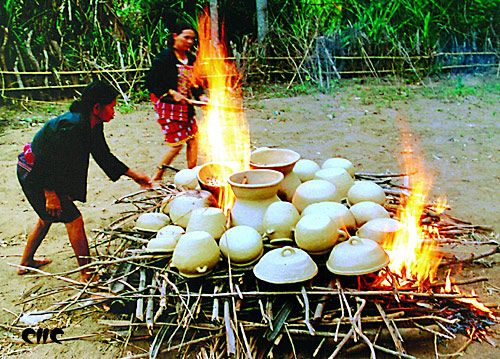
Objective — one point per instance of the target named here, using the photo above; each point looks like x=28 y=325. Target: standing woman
x=171 y=86
x=53 y=170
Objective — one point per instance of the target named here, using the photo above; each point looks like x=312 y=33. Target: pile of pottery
x=304 y=209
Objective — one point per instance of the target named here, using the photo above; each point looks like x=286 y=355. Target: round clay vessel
x=212 y=176
x=316 y=233
x=339 y=162
x=166 y=239
x=339 y=213
x=357 y=256
x=282 y=160
x=280 y=219
x=208 y=219
x=254 y=190
x=196 y=254
x=362 y=191
x=381 y=230
x=242 y=244
x=186 y=178
x=366 y=211
x=182 y=205
x=338 y=177
x=285 y=265
x=313 y=192
x=305 y=169
x=151 y=222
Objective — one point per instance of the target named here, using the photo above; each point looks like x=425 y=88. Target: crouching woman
x=53 y=170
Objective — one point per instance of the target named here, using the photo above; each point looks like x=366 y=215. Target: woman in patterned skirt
x=171 y=86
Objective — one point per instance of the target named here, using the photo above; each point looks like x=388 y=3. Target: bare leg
x=35 y=238
x=167 y=159
x=78 y=240
x=192 y=152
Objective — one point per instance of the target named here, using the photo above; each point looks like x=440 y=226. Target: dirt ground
x=456 y=124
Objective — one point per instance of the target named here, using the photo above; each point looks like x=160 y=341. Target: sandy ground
x=459 y=138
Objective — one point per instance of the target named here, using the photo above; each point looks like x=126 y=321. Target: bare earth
x=459 y=138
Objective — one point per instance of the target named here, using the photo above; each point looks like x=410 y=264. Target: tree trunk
x=214 y=22
x=262 y=26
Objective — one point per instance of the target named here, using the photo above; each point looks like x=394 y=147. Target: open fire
x=224 y=135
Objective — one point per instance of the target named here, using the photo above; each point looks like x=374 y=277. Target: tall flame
x=224 y=135
x=412 y=256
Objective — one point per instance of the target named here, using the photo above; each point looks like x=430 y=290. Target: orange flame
x=412 y=256
x=224 y=135
x=439 y=205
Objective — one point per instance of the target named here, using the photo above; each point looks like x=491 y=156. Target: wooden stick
x=395 y=338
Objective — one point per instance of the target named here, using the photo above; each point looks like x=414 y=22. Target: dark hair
x=177 y=29
x=96 y=92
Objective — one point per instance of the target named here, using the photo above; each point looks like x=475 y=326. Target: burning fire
x=412 y=256
x=224 y=134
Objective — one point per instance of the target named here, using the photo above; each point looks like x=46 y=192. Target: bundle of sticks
x=231 y=313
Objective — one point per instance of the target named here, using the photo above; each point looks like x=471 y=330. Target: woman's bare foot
x=37 y=263
x=158 y=176
x=89 y=277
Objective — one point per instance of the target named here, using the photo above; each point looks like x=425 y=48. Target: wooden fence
x=50 y=84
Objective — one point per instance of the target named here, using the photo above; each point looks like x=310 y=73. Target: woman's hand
x=140 y=178
x=177 y=97
x=52 y=204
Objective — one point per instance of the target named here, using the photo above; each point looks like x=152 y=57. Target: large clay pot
x=186 y=178
x=196 y=254
x=182 y=205
x=242 y=245
x=282 y=160
x=357 y=256
x=166 y=239
x=151 y=222
x=305 y=169
x=285 y=265
x=313 y=192
x=381 y=230
x=339 y=162
x=362 y=191
x=209 y=219
x=366 y=211
x=212 y=176
x=280 y=220
x=339 y=213
x=254 y=191
x=316 y=233
x=337 y=176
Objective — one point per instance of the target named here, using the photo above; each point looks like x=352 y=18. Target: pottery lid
x=166 y=239
x=151 y=222
x=285 y=265
x=357 y=256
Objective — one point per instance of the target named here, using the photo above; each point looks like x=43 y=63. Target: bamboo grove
x=98 y=35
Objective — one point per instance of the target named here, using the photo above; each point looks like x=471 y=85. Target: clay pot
x=285 y=265
x=280 y=219
x=242 y=245
x=340 y=162
x=151 y=222
x=362 y=191
x=166 y=202
x=186 y=178
x=182 y=205
x=166 y=239
x=357 y=256
x=338 y=177
x=316 y=233
x=208 y=219
x=305 y=169
x=196 y=254
x=254 y=191
x=313 y=192
x=366 y=211
x=339 y=213
x=282 y=160
x=381 y=230
x=211 y=172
